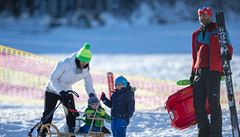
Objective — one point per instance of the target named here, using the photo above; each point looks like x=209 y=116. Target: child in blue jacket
x=122 y=106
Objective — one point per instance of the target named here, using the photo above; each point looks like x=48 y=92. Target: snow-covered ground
x=17 y=120
x=161 y=52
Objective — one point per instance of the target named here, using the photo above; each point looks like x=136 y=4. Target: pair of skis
x=227 y=72
x=223 y=40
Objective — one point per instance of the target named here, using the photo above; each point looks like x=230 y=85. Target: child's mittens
x=133 y=89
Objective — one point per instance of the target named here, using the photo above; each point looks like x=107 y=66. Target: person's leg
x=113 y=126
x=84 y=129
x=50 y=102
x=96 y=129
x=71 y=119
x=213 y=93
x=199 y=101
x=121 y=128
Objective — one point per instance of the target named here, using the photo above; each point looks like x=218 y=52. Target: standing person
x=122 y=106
x=206 y=73
x=67 y=72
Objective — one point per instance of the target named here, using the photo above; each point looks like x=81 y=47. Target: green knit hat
x=84 y=54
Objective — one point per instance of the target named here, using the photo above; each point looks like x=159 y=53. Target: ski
x=223 y=40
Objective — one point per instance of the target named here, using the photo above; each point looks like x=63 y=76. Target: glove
x=229 y=56
x=191 y=79
x=64 y=97
x=74 y=112
x=103 y=96
x=133 y=89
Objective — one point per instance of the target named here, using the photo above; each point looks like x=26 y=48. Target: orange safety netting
x=23 y=77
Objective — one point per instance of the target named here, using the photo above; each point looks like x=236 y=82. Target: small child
x=122 y=106
x=98 y=125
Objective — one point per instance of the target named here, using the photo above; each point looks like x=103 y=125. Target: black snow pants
x=207 y=85
x=50 y=103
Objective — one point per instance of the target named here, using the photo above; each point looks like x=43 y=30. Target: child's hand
x=133 y=89
x=103 y=96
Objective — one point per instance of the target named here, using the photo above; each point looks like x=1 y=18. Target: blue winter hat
x=121 y=80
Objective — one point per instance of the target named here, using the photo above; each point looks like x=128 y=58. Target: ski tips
x=183 y=82
x=220 y=18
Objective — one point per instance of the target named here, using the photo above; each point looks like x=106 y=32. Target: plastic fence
x=23 y=77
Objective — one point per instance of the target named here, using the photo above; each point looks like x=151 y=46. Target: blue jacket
x=122 y=103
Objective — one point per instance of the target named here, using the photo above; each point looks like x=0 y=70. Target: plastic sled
x=180 y=108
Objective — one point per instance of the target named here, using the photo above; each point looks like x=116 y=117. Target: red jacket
x=206 y=52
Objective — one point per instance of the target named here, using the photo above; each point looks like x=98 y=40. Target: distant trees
x=83 y=12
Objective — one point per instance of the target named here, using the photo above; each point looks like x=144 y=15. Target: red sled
x=180 y=108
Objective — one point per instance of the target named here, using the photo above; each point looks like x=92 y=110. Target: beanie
x=93 y=100
x=121 y=80
x=84 y=54
x=205 y=10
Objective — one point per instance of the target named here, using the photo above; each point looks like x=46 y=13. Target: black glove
x=74 y=112
x=133 y=89
x=64 y=97
x=229 y=56
x=192 y=77
x=103 y=96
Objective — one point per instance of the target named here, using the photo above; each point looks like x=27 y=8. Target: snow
x=161 y=52
x=16 y=120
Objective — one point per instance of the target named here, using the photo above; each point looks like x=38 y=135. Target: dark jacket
x=122 y=103
x=206 y=49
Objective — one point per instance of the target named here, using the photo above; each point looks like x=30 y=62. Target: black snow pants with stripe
x=50 y=103
x=207 y=85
